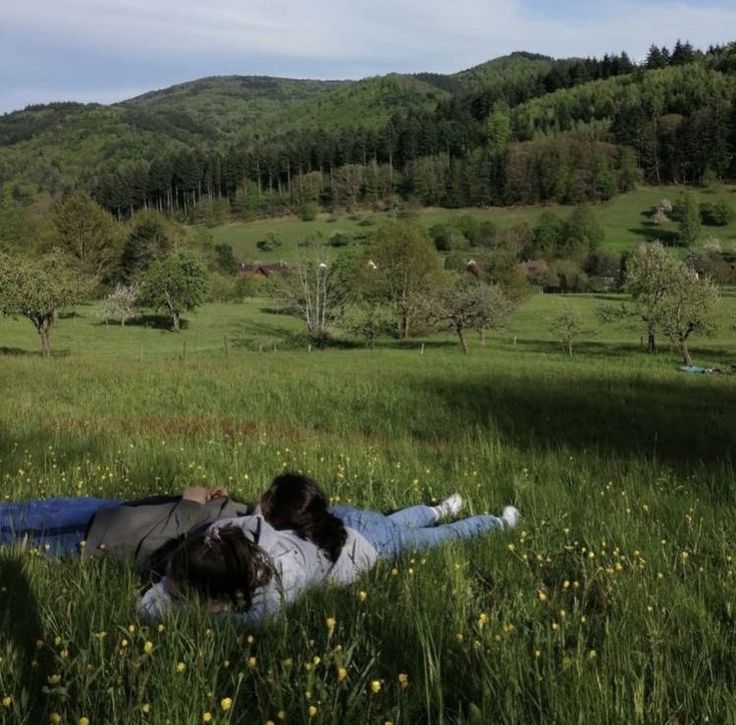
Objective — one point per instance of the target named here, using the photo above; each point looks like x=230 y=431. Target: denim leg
x=414 y=517
x=380 y=531
x=429 y=537
x=57 y=525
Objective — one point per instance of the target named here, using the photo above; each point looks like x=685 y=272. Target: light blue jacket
x=298 y=565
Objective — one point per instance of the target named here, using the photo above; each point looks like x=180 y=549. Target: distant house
x=536 y=271
x=474 y=268
x=262 y=270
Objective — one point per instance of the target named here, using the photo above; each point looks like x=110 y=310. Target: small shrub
x=715 y=214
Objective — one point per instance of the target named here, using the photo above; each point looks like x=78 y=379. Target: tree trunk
x=44 y=331
x=686 y=358
x=651 y=343
x=175 y=320
x=463 y=343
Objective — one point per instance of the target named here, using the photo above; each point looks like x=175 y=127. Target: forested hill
x=520 y=128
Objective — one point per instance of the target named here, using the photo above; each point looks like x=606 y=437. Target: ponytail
x=296 y=502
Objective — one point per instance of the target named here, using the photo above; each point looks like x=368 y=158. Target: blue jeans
x=55 y=525
x=411 y=529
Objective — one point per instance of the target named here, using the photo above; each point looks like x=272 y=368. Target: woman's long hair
x=221 y=565
x=296 y=502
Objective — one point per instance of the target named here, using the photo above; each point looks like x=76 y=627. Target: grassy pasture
x=612 y=602
x=623 y=218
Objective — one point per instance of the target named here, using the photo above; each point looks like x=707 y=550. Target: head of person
x=296 y=502
x=219 y=565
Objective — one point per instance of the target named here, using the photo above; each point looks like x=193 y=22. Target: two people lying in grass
x=255 y=564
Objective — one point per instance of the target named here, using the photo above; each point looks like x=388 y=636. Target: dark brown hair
x=224 y=566
x=296 y=502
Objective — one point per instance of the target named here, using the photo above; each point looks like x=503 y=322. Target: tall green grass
x=612 y=602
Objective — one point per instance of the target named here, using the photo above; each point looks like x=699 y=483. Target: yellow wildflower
x=226 y=703
x=180 y=667
x=342 y=673
x=311 y=711
x=54 y=718
x=148 y=647
x=252 y=661
x=376 y=686
x=404 y=680
x=206 y=717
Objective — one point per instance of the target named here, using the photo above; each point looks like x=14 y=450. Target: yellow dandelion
x=7 y=701
x=537 y=653
x=83 y=720
x=403 y=680
x=375 y=686
x=592 y=654
x=342 y=673
x=54 y=718
x=226 y=703
x=123 y=643
x=180 y=667
x=510 y=547
x=288 y=662
x=362 y=596
x=251 y=662
x=54 y=679
x=394 y=572
x=207 y=717
x=131 y=628
x=330 y=622
x=541 y=596
x=148 y=647
x=311 y=711
x=160 y=628
x=316 y=660
x=281 y=715
x=145 y=708
x=250 y=639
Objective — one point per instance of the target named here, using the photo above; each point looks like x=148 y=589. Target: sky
x=109 y=50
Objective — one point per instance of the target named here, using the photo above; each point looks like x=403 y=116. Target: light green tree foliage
x=672 y=298
x=498 y=128
x=177 y=284
x=38 y=288
x=649 y=274
x=567 y=327
x=465 y=303
x=406 y=268
x=689 y=307
x=688 y=212
x=88 y=234
x=367 y=320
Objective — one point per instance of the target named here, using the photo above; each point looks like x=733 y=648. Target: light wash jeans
x=411 y=529
x=54 y=525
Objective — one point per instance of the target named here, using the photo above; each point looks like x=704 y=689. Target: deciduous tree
x=406 y=267
x=177 y=284
x=38 y=288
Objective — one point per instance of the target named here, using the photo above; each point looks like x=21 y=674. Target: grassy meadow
x=613 y=601
x=624 y=219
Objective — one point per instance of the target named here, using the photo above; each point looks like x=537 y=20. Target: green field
x=612 y=602
x=623 y=219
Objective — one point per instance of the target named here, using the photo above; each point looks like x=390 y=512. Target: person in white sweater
x=254 y=565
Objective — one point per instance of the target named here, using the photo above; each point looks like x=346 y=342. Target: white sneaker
x=510 y=516
x=451 y=506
